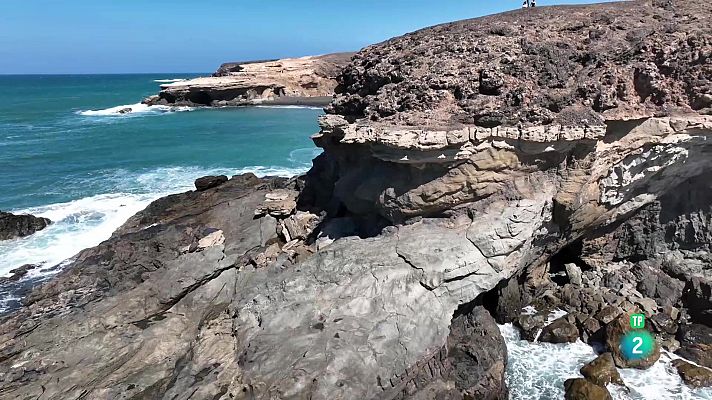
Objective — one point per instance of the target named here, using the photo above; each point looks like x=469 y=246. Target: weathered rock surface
x=570 y=66
x=583 y=389
x=696 y=344
x=559 y=331
x=693 y=375
x=602 y=371
x=614 y=335
x=15 y=226
x=302 y=81
x=208 y=182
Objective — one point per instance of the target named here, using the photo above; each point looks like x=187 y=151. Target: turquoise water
x=67 y=154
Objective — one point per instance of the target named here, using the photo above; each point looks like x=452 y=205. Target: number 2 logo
x=638 y=342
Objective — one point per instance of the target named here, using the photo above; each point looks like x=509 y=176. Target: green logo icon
x=637 y=321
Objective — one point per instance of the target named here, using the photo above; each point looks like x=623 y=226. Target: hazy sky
x=110 y=36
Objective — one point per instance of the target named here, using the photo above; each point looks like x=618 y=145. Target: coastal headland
x=305 y=81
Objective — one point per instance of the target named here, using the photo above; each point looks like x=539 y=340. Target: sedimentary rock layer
x=305 y=81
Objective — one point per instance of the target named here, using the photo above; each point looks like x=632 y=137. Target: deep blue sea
x=67 y=154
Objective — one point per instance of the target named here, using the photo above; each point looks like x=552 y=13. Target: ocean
x=66 y=153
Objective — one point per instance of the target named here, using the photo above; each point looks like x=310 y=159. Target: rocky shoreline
x=571 y=174
x=305 y=81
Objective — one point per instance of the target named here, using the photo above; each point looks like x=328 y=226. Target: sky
x=136 y=36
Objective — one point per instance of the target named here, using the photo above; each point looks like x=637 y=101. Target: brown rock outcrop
x=300 y=81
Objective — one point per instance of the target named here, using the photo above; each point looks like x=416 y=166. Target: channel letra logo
x=638 y=343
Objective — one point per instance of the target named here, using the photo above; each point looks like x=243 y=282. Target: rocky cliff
x=556 y=157
x=306 y=80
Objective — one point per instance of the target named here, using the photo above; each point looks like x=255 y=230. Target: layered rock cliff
x=306 y=80
x=549 y=158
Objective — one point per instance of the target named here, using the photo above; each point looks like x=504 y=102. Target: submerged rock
x=583 y=389
x=14 y=226
x=693 y=375
x=602 y=371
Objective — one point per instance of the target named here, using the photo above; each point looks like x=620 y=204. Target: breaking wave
x=133 y=110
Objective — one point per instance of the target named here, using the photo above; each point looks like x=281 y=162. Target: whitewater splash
x=170 y=80
x=86 y=222
x=133 y=110
x=538 y=371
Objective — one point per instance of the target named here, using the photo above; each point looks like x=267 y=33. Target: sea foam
x=133 y=110
x=538 y=371
x=86 y=222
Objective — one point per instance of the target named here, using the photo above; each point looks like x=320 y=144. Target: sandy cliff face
x=512 y=161
x=305 y=80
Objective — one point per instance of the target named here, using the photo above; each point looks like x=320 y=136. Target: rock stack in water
x=470 y=170
x=15 y=226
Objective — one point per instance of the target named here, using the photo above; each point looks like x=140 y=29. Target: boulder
x=583 y=389
x=573 y=271
x=693 y=375
x=530 y=325
x=559 y=331
x=14 y=226
x=602 y=371
x=477 y=356
x=614 y=334
x=696 y=344
x=209 y=182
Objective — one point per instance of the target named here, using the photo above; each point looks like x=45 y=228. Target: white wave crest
x=86 y=222
x=132 y=110
x=170 y=80
x=77 y=225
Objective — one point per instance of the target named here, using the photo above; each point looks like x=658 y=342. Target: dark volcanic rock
x=538 y=66
x=478 y=355
x=693 y=375
x=13 y=226
x=602 y=371
x=559 y=331
x=583 y=389
x=18 y=273
x=696 y=344
x=208 y=182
